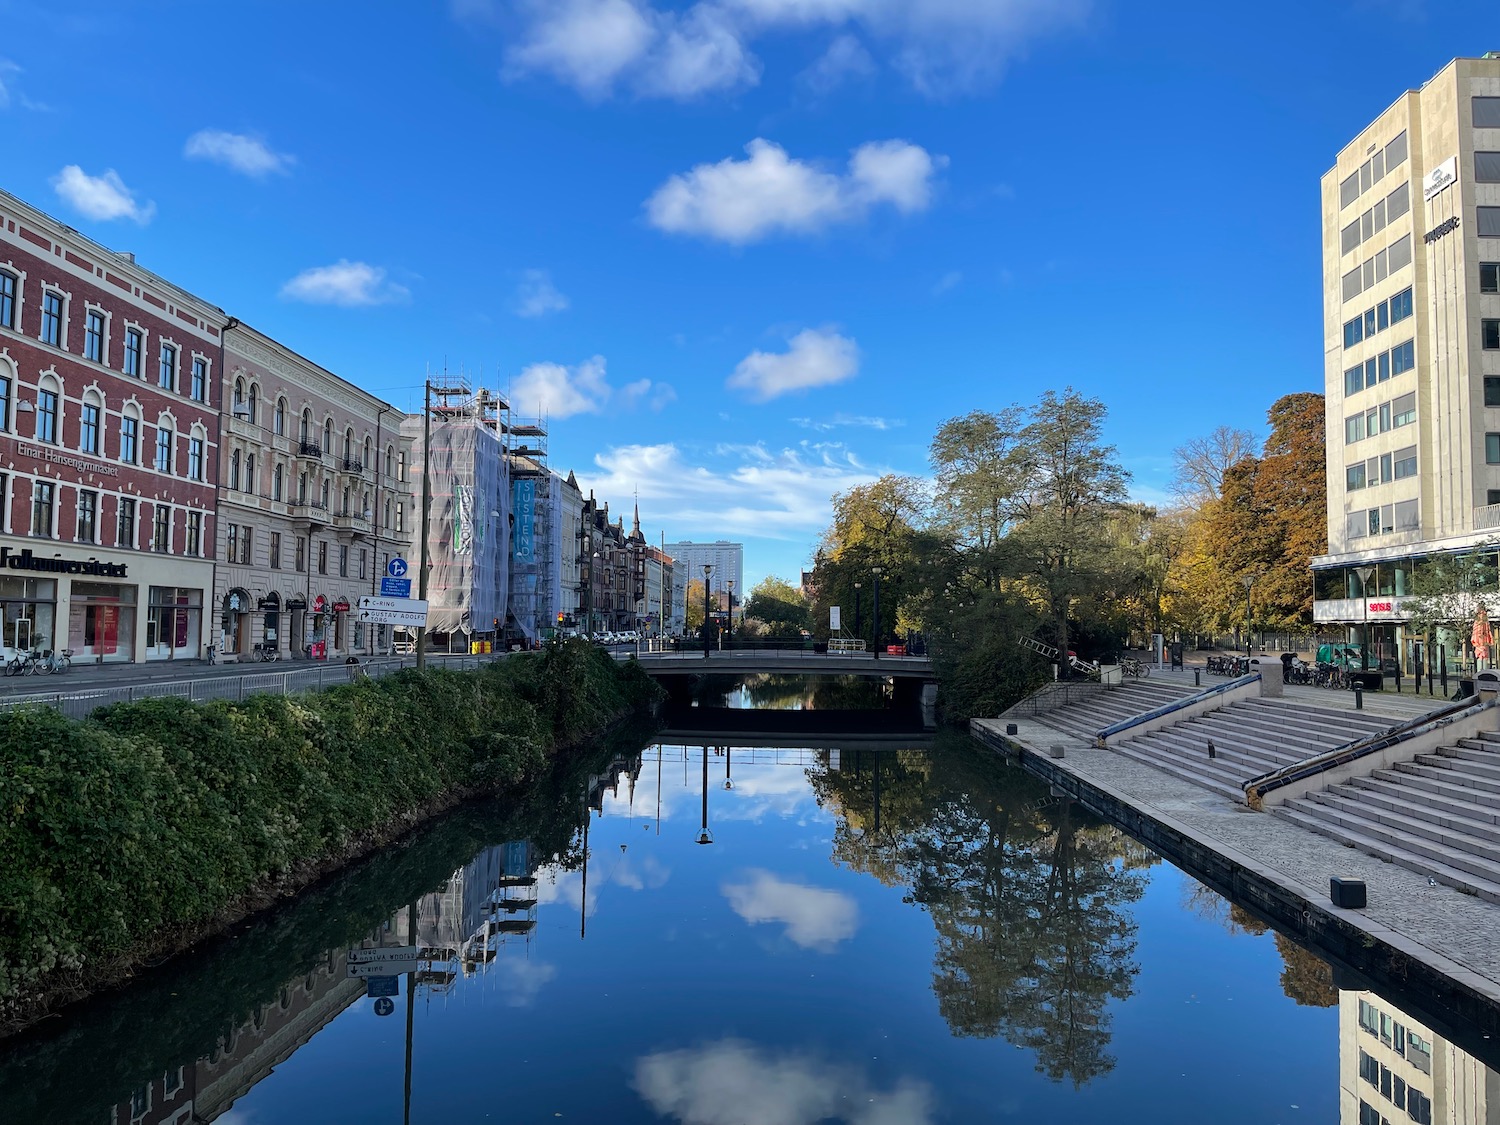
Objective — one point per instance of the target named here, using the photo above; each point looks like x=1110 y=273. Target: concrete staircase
x=1437 y=815
x=1086 y=718
x=1249 y=738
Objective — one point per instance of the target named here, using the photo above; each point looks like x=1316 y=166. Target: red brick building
x=109 y=427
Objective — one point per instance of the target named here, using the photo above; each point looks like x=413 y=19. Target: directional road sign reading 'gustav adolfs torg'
x=393 y=611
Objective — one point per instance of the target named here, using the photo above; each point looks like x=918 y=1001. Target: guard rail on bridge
x=786 y=661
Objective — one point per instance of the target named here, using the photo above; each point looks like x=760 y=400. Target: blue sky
x=744 y=253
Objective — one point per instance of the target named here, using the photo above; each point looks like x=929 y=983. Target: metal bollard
x=1197 y=677
x=1359 y=697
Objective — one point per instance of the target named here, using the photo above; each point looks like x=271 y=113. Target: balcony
x=352 y=465
x=351 y=520
x=313 y=511
x=310 y=449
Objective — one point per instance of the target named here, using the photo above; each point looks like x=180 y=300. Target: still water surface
x=894 y=937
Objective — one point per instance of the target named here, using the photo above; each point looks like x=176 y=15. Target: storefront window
x=174 y=623
x=28 y=608
x=101 y=621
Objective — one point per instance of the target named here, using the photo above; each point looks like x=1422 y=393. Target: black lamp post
x=708 y=570
x=729 y=621
x=875 y=608
x=1249 y=581
x=704 y=836
x=857 y=632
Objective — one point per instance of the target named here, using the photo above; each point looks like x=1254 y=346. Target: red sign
x=1382 y=607
x=319 y=603
x=341 y=606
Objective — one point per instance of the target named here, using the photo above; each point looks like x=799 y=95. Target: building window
x=247 y=535
x=195 y=533
x=1492 y=390
x=46 y=416
x=1354 y=380
x=234 y=470
x=276 y=483
x=278 y=419
x=343 y=560
x=1489 y=277
x=7 y=300
x=4 y=406
x=1492 y=449
x=250 y=472
x=325 y=494
x=1403 y=411
x=41 y=508
x=1487 y=167
x=125 y=523
x=134 y=345
x=88 y=510
x=1354 y=429
x=323 y=556
x=231 y=542
x=167 y=374
x=304 y=433
x=129 y=439
x=401 y=467
x=1489 y=222
x=275 y=550
x=387 y=524
x=252 y=404
x=195 y=458
x=301 y=554
x=1489 y=334
x=88 y=431
x=1354 y=476
x=328 y=436
x=161 y=529
x=52 y=319
x=1403 y=357
x=93 y=337
x=163 y=450
x=400 y=517
x=363 y=561
x=200 y=379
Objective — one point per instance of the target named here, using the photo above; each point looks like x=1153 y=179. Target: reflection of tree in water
x=827 y=693
x=1028 y=895
x=1305 y=977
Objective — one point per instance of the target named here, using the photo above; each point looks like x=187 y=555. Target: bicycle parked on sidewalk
x=266 y=652
x=1130 y=666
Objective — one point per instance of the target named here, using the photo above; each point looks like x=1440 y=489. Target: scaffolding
x=531 y=611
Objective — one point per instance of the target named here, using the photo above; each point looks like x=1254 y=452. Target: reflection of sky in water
x=755 y=981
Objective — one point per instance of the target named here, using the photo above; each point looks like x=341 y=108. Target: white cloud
x=100 y=197
x=7 y=70
x=250 y=156
x=943 y=47
x=755 y=491
x=814 y=358
x=846 y=59
x=947 y=283
x=742 y=201
x=822 y=425
x=815 y=918
x=554 y=390
x=523 y=980
x=735 y=1083
x=537 y=296
x=345 y=283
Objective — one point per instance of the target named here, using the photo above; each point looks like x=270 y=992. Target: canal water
x=867 y=933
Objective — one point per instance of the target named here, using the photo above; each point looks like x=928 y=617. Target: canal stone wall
x=1433 y=944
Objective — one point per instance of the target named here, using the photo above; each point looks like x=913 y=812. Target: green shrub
x=159 y=814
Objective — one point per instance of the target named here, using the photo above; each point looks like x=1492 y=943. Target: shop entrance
x=270 y=605
x=28 y=608
x=234 y=624
x=101 y=622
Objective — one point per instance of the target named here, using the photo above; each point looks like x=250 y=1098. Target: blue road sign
x=395 y=587
x=396 y=568
x=382 y=986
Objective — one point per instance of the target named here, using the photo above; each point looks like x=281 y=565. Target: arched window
x=328 y=436
x=368 y=463
x=390 y=460
x=306 y=432
x=276 y=486
x=234 y=470
x=239 y=394
x=325 y=493
x=280 y=417
x=345 y=508
x=387 y=515
x=250 y=403
x=349 y=444
x=302 y=488
x=250 y=482
x=364 y=506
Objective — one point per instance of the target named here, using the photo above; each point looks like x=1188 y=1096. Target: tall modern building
x=727 y=559
x=1411 y=318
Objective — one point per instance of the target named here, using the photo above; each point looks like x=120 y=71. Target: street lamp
x=728 y=754
x=729 y=621
x=1364 y=573
x=1249 y=581
x=708 y=570
x=875 y=608
x=857 y=631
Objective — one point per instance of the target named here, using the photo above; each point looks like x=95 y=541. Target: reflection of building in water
x=482 y=904
x=202 y=1090
x=1393 y=1070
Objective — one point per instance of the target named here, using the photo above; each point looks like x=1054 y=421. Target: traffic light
x=560 y=617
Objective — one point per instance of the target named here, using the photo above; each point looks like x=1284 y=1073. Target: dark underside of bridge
x=732 y=720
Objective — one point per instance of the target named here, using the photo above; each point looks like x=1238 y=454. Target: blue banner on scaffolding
x=523 y=505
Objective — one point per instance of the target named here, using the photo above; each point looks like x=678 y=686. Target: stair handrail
x=1175 y=705
x=1257 y=787
x=1049 y=697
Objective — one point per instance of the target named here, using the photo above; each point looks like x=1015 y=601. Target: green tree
x=778 y=606
x=1446 y=593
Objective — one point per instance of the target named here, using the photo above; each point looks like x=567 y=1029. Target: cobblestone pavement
x=1458 y=933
